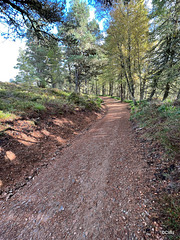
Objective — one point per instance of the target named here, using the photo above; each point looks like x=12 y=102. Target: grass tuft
x=6 y=115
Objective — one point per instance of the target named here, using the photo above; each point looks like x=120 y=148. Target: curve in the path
x=94 y=189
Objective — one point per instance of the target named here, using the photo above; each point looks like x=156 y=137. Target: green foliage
x=117 y=98
x=142 y=56
x=75 y=97
x=35 y=14
x=128 y=101
x=126 y=45
x=162 y=122
x=98 y=101
x=6 y=115
x=39 y=107
x=164 y=55
x=20 y=100
x=82 y=51
x=60 y=93
x=85 y=102
x=72 y=63
x=39 y=64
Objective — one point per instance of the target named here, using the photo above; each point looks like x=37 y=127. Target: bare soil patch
x=32 y=143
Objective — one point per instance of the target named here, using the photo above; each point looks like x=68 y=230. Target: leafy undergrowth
x=19 y=100
x=159 y=123
x=117 y=98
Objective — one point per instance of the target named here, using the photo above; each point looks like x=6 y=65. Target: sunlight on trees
x=137 y=58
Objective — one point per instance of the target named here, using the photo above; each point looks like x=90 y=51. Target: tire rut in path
x=94 y=190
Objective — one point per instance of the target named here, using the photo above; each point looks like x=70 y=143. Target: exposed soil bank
x=32 y=143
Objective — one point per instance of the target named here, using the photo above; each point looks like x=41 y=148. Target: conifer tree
x=39 y=15
x=40 y=62
x=82 y=52
x=166 y=51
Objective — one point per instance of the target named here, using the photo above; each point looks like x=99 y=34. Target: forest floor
x=97 y=187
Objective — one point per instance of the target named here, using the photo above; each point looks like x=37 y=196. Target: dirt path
x=94 y=190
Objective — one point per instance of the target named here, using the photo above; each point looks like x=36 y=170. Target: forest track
x=95 y=189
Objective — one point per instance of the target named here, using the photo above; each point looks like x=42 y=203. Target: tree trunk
x=122 y=99
x=129 y=67
x=96 y=88
x=69 y=77
x=54 y=85
x=76 y=80
x=103 y=90
x=142 y=81
x=86 y=87
x=166 y=93
x=131 y=89
x=124 y=91
x=155 y=82
x=111 y=89
x=92 y=88
x=127 y=74
x=142 y=89
x=178 y=95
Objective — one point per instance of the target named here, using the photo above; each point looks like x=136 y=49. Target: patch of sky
x=9 y=49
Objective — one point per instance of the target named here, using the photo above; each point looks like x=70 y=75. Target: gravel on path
x=95 y=189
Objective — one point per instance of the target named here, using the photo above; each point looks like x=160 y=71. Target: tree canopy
x=136 y=58
x=73 y=63
x=34 y=14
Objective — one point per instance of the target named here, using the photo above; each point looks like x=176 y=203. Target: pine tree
x=26 y=73
x=80 y=38
x=165 y=53
x=40 y=62
x=35 y=14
